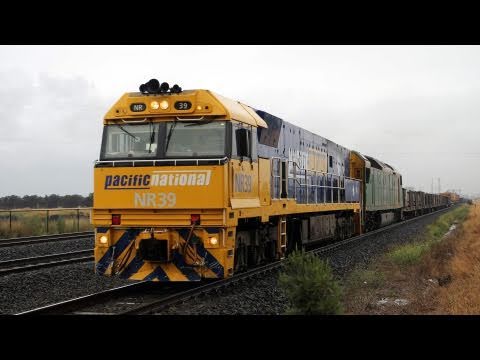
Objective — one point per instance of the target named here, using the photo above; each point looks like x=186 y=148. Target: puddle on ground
x=452 y=227
x=398 y=302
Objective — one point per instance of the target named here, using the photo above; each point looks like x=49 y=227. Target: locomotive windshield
x=130 y=141
x=195 y=139
x=164 y=140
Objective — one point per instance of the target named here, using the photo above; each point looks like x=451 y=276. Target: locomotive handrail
x=334 y=183
x=273 y=176
x=153 y=161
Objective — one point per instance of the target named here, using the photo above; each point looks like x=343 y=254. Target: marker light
x=164 y=105
x=213 y=240
x=154 y=105
x=103 y=240
x=195 y=219
x=199 y=107
x=116 y=219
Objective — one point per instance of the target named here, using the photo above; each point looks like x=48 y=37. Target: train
x=191 y=185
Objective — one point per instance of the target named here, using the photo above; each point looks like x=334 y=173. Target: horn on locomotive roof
x=153 y=87
x=176 y=89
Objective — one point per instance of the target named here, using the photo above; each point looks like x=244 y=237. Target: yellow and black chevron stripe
x=121 y=259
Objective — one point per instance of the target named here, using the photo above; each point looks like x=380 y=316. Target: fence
x=27 y=222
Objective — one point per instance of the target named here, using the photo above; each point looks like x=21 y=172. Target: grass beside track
x=417 y=278
x=412 y=253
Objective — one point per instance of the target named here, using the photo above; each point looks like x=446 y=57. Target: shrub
x=309 y=284
x=32 y=225
x=407 y=254
x=61 y=225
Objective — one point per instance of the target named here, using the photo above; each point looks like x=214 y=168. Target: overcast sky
x=414 y=107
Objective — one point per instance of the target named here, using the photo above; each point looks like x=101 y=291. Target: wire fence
x=30 y=222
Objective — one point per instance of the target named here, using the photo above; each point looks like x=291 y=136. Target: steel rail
x=44 y=238
x=44 y=261
x=73 y=304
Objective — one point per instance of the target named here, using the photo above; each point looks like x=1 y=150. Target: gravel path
x=47 y=248
x=264 y=297
x=28 y=290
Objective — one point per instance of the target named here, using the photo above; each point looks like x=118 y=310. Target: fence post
x=78 y=219
x=10 y=222
x=47 y=222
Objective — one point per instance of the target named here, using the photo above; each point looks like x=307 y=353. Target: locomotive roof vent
x=153 y=86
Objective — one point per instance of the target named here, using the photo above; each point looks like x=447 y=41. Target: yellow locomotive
x=193 y=185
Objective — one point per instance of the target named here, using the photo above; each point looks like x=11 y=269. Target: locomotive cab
x=173 y=167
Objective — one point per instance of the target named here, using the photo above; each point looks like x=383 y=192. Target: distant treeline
x=45 y=202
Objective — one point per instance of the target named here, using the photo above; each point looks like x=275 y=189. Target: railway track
x=114 y=301
x=44 y=238
x=142 y=303
x=38 y=262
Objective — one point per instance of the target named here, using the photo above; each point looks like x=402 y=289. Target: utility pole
x=439 y=189
x=432 y=186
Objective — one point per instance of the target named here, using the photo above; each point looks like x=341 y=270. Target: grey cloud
x=50 y=134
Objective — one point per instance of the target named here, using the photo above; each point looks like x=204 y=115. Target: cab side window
x=244 y=141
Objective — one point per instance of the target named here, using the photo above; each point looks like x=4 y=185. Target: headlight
x=164 y=105
x=154 y=105
x=103 y=239
x=213 y=240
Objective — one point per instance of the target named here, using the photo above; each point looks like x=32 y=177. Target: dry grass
x=462 y=294
x=28 y=223
x=435 y=276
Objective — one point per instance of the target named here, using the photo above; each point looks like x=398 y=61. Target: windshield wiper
x=170 y=135
x=152 y=137
x=125 y=131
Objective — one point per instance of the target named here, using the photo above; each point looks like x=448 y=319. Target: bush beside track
x=310 y=285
